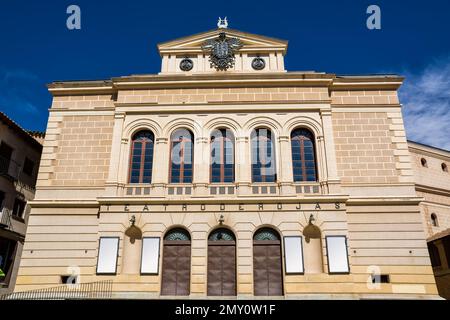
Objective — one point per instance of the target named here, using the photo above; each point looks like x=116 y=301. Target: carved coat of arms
x=221 y=51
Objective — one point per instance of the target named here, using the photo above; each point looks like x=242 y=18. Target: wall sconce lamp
x=133 y=220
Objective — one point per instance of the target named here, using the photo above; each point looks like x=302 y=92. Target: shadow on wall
x=132 y=250
x=313 y=249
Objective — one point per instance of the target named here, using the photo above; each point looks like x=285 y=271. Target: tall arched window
x=303 y=157
x=222 y=156
x=181 y=156
x=141 y=157
x=263 y=156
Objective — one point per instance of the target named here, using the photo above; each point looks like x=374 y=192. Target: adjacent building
x=20 y=153
x=432 y=180
x=227 y=175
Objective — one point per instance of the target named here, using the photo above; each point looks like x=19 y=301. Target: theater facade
x=227 y=175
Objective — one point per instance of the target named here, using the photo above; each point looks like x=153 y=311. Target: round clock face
x=258 y=63
x=186 y=64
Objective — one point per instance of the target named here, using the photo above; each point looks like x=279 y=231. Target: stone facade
x=364 y=189
x=432 y=180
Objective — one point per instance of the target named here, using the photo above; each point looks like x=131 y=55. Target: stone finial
x=222 y=24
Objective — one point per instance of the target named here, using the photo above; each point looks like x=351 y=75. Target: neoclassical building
x=227 y=175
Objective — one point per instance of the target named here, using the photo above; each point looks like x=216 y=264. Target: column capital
x=162 y=140
x=242 y=139
x=201 y=140
x=119 y=115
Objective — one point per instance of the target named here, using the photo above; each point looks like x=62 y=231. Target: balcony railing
x=221 y=190
x=93 y=290
x=5 y=219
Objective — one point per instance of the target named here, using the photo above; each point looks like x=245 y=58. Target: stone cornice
x=418 y=148
x=433 y=190
x=272 y=79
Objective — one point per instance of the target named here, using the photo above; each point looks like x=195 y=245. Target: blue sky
x=119 y=38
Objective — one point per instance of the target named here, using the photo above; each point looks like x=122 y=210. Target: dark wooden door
x=176 y=268
x=222 y=268
x=267 y=268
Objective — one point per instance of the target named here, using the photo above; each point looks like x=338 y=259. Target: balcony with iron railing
x=5 y=219
x=9 y=168
x=12 y=170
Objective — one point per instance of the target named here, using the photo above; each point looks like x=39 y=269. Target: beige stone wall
x=385 y=245
x=432 y=175
x=371 y=147
x=56 y=242
x=76 y=151
x=364 y=97
x=82 y=102
x=433 y=185
x=212 y=95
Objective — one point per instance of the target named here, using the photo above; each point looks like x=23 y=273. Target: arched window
x=177 y=234
x=222 y=156
x=141 y=157
x=434 y=220
x=263 y=156
x=181 y=156
x=423 y=161
x=444 y=167
x=303 y=156
x=221 y=234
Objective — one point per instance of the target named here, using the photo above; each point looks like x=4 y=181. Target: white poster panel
x=293 y=254
x=107 y=255
x=337 y=254
x=150 y=256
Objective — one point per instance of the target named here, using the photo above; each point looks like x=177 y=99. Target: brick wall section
x=78 y=152
x=371 y=147
x=82 y=102
x=364 y=97
x=168 y=96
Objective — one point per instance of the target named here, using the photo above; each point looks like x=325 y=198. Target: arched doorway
x=221 y=263
x=267 y=266
x=176 y=264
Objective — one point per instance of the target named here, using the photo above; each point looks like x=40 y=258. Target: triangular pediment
x=251 y=42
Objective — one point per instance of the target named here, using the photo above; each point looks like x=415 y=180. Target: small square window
x=69 y=279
